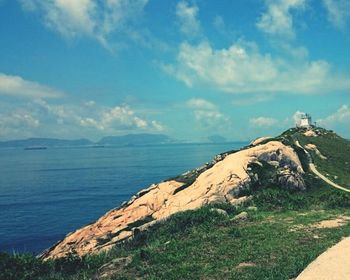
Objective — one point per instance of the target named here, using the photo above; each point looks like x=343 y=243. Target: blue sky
x=189 y=69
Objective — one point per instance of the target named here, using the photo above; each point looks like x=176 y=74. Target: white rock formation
x=218 y=183
x=313 y=147
x=260 y=140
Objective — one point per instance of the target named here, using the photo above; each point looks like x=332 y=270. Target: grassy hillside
x=336 y=149
x=277 y=239
x=203 y=244
x=337 y=152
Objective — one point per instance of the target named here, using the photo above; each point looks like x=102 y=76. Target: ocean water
x=44 y=194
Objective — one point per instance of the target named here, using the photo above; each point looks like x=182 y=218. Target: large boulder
x=291 y=180
x=220 y=181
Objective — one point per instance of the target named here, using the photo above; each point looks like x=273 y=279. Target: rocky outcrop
x=313 y=147
x=310 y=133
x=219 y=181
x=291 y=180
x=260 y=140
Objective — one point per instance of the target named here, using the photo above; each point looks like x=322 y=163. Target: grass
x=337 y=151
x=331 y=145
x=216 y=251
x=203 y=244
x=277 y=241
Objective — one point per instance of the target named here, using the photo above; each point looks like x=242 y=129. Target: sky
x=185 y=68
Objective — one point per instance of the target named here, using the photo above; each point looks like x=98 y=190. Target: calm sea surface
x=44 y=194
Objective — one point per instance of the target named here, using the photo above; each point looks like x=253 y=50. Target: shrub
x=338 y=199
x=22 y=267
x=69 y=265
x=182 y=222
x=273 y=198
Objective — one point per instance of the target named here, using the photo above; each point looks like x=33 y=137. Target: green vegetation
x=203 y=244
x=318 y=196
x=335 y=149
x=277 y=240
x=337 y=152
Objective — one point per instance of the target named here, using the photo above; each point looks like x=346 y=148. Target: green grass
x=203 y=244
x=215 y=252
x=337 y=151
x=278 y=239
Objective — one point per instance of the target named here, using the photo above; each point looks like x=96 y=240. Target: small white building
x=305 y=121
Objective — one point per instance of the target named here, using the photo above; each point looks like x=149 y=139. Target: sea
x=45 y=194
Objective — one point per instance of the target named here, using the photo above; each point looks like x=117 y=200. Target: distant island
x=44 y=142
x=140 y=139
x=217 y=139
x=124 y=140
x=136 y=139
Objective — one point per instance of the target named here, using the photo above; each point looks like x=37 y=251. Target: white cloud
x=90 y=18
x=242 y=68
x=280 y=123
x=107 y=119
x=338 y=12
x=41 y=118
x=17 y=86
x=121 y=118
x=278 y=20
x=250 y=100
x=223 y=28
x=157 y=125
x=61 y=114
x=71 y=18
x=200 y=103
x=219 y=23
x=90 y=103
x=206 y=113
x=208 y=116
x=341 y=116
x=262 y=122
x=17 y=122
x=21 y=117
x=187 y=17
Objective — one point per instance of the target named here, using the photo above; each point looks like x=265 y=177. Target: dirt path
x=318 y=174
x=334 y=264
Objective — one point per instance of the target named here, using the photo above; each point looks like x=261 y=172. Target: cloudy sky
x=186 y=68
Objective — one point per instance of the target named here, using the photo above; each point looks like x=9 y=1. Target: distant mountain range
x=46 y=142
x=216 y=139
x=125 y=140
x=136 y=139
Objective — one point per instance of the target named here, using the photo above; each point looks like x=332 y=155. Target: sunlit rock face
x=219 y=181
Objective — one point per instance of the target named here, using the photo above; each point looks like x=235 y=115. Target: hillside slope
x=270 y=227
x=230 y=178
x=224 y=181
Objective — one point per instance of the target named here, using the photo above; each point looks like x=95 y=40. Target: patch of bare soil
x=246 y=264
x=113 y=267
x=332 y=223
